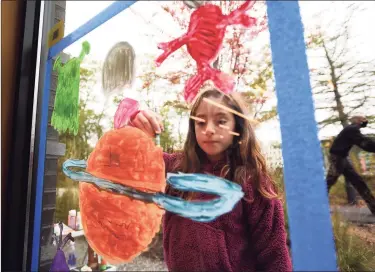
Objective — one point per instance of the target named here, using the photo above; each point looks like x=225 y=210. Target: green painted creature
x=65 y=116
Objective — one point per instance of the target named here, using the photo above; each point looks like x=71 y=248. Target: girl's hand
x=149 y=122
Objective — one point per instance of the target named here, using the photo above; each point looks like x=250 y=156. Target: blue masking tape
x=40 y=168
x=313 y=246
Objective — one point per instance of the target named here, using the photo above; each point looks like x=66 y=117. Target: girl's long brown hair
x=244 y=158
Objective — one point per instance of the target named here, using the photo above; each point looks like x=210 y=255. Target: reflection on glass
x=246 y=55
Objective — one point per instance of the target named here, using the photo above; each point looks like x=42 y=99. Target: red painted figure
x=204 y=40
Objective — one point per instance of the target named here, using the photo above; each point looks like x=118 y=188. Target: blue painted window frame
x=310 y=226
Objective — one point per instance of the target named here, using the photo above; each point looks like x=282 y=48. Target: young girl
x=252 y=236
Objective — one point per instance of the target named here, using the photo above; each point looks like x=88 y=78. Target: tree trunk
x=339 y=106
x=350 y=191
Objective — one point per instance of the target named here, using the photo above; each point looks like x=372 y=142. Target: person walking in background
x=340 y=164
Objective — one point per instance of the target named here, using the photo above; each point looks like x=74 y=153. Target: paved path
x=356 y=214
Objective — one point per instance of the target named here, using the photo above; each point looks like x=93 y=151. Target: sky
x=133 y=25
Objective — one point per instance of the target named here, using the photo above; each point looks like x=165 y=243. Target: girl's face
x=212 y=129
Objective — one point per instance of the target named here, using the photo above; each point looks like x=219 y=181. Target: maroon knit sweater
x=251 y=237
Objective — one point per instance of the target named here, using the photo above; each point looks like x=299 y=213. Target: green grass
x=338 y=195
x=353 y=254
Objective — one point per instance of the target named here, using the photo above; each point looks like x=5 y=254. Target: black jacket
x=349 y=136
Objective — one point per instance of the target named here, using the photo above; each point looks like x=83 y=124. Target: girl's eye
x=200 y=123
x=222 y=122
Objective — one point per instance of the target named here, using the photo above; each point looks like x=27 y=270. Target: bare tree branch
x=344 y=85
